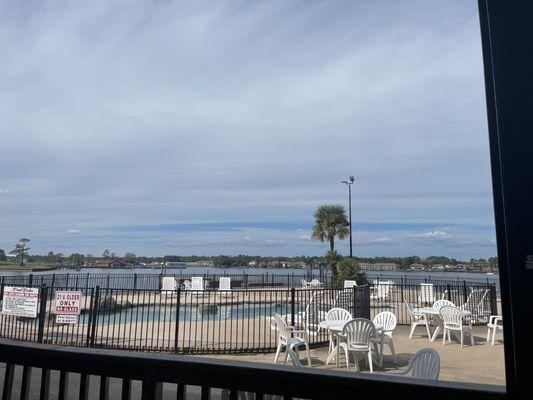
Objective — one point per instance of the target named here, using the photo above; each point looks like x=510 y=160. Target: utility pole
x=350 y=182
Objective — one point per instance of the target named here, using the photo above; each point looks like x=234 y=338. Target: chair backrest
x=358 y=332
x=339 y=314
x=284 y=332
x=442 y=303
x=349 y=284
x=386 y=320
x=313 y=315
x=315 y=283
x=187 y=284
x=304 y=283
x=224 y=283
x=475 y=299
x=410 y=309
x=451 y=316
x=426 y=293
x=425 y=364
x=168 y=285
x=384 y=289
x=197 y=283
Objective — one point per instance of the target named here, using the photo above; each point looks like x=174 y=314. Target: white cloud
x=73 y=231
x=434 y=235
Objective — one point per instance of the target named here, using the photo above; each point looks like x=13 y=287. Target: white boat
x=489 y=273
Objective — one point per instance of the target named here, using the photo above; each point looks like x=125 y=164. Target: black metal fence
x=208 y=321
x=84 y=281
x=213 y=321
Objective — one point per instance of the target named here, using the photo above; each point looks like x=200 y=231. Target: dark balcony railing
x=89 y=373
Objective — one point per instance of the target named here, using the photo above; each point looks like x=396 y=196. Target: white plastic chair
x=224 y=284
x=187 y=285
x=305 y=284
x=197 y=283
x=358 y=333
x=337 y=314
x=454 y=319
x=315 y=283
x=442 y=303
x=475 y=303
x=383 y=291
x=417 y=319
x=387 y=321
x=349 y=284
x=495 y=323
x=426 y=293
x=287 y=336
x=425 y=364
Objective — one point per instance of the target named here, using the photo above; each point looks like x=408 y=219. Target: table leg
x=334 y=351
x=438 y=328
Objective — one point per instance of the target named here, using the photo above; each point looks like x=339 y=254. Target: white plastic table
x=335 y=328
x=434 y=313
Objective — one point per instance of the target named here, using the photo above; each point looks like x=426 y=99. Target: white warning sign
x=67 y=303
x=20 y=301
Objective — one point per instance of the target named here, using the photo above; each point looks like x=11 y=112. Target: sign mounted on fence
x=20 y=301
x=67 y=303
x=66 y=319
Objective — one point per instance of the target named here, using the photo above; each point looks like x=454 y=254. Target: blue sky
x=180 y=127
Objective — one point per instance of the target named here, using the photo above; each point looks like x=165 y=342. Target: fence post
x=465 y=296
x=42 y=313
x=30 y=280
x=89 y=324
x=53 y=279
x=94 y=315
x=176 y=333
x=134 y=281
x=449 y=289
x=493 y=302
x=354 y=301
x=366 y=302
x=293 y=305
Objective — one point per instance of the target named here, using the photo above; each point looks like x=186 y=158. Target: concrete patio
x=481 y=363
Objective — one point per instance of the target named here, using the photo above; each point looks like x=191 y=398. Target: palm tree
x=330 y=221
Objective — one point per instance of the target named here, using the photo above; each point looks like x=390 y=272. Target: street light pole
x=350 y=183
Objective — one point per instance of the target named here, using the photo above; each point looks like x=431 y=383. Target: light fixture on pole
x=350 y=183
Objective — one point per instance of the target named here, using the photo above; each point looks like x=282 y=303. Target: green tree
x=3 y=256
x=349 y=270
x=130 y=258
x=76 y=259
x=106 y=253
x=21 y=250
x=330 y=221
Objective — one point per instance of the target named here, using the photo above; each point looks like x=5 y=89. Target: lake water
x=468 y=276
